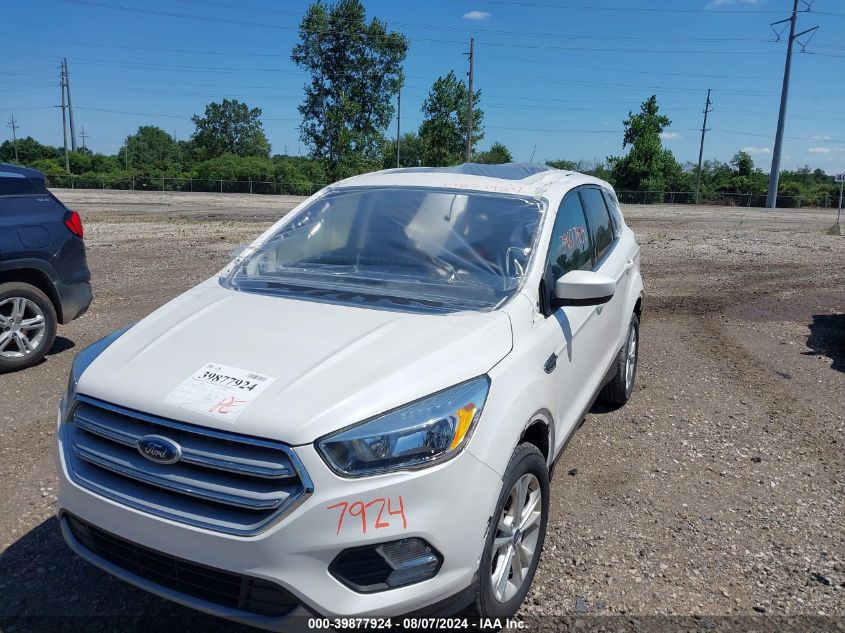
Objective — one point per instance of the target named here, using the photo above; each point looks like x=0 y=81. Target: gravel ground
x=717 y=492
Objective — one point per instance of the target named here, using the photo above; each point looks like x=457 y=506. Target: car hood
x=333 y=365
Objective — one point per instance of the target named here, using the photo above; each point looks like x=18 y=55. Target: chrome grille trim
x=168 y=484
x=189 y=454
x=224 y=482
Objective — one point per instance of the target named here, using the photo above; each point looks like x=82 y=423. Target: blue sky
x=556 y=75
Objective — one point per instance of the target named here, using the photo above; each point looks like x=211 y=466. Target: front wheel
x=516 y=535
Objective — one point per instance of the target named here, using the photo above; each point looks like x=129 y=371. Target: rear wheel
x=515 y=539
x=618 y=391
x=27 y=325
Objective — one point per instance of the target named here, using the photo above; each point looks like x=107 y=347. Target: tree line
x=355 y=67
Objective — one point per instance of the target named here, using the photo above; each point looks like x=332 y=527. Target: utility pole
x=84 y=135
x=64 y=117
x=14 y=125
x=774 y=176
x=468 y=155
x=704 y=130
x=398 y=117
x=70 y=108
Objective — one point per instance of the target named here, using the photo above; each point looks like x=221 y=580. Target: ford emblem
x=159 y=449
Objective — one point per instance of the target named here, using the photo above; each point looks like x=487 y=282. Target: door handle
x=551 y=363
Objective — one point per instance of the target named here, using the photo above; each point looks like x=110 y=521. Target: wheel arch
x=37 y=277
x=539 y=431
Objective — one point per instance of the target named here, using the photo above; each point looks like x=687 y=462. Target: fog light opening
x=384 y=566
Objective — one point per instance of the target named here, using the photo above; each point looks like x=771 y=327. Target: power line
x=584 y=7
x=816 y=139
x=544 y=45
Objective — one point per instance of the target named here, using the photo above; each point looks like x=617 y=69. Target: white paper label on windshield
x=220 y=391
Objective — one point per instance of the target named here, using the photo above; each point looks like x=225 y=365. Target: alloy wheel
x=515 y=542
x=22 y=327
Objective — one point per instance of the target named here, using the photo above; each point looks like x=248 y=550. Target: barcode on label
x=257 y=377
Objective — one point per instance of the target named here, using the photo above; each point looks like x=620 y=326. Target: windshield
x=398 y=248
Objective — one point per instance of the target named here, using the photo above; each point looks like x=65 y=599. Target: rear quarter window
x=598 y=218
x=613 y=207
x=14 y=184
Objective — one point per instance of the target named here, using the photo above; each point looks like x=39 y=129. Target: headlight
x=419 y=434
x=81 y=362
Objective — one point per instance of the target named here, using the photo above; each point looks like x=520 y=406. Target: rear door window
x=598 y=218
x=15 y=184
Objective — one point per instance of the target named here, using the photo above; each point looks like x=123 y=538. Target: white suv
x=359 y=414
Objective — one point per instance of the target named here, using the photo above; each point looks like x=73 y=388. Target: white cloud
x=823 y=137
x=757 y=150
x=820 y=150
x=477 y=15
x=724 y=3
x=605 y=123
x=670 y=136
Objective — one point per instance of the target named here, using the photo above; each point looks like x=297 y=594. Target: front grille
x=223 y=588
x=223 y=481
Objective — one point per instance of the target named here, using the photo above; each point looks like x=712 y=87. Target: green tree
x=230 y=127
x=231 y=167
x=410 y=152
x=298 y=174
x=356 y=69
x=496 y=155
x=152 y=151
x=648 y=166
x=599 y=170
x=444 y=128
x=566 y=165
x=49 y=166
x=29 y=151
x=743 y=163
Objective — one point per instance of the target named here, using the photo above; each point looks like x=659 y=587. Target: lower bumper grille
x=234 y=591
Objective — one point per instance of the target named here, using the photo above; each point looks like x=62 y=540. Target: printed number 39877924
x=357 y=510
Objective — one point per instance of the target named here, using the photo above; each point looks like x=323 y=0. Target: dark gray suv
x=44 y=278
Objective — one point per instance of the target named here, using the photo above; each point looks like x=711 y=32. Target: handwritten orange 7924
x=358 y=509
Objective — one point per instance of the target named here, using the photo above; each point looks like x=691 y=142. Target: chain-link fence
x=168 y=183
x=305 y=188
x=728 y=199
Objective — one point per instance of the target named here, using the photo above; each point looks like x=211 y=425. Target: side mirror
x=583 y=288
x=239 y=250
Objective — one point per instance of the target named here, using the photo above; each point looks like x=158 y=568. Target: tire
x=527 y=464
x=618 y=391
x=22 y=347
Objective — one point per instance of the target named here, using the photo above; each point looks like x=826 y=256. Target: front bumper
x=448 y=505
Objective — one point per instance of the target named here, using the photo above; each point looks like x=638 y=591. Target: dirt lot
x=718 y=491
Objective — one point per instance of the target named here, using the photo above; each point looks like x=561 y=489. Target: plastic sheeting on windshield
x=425 y=248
